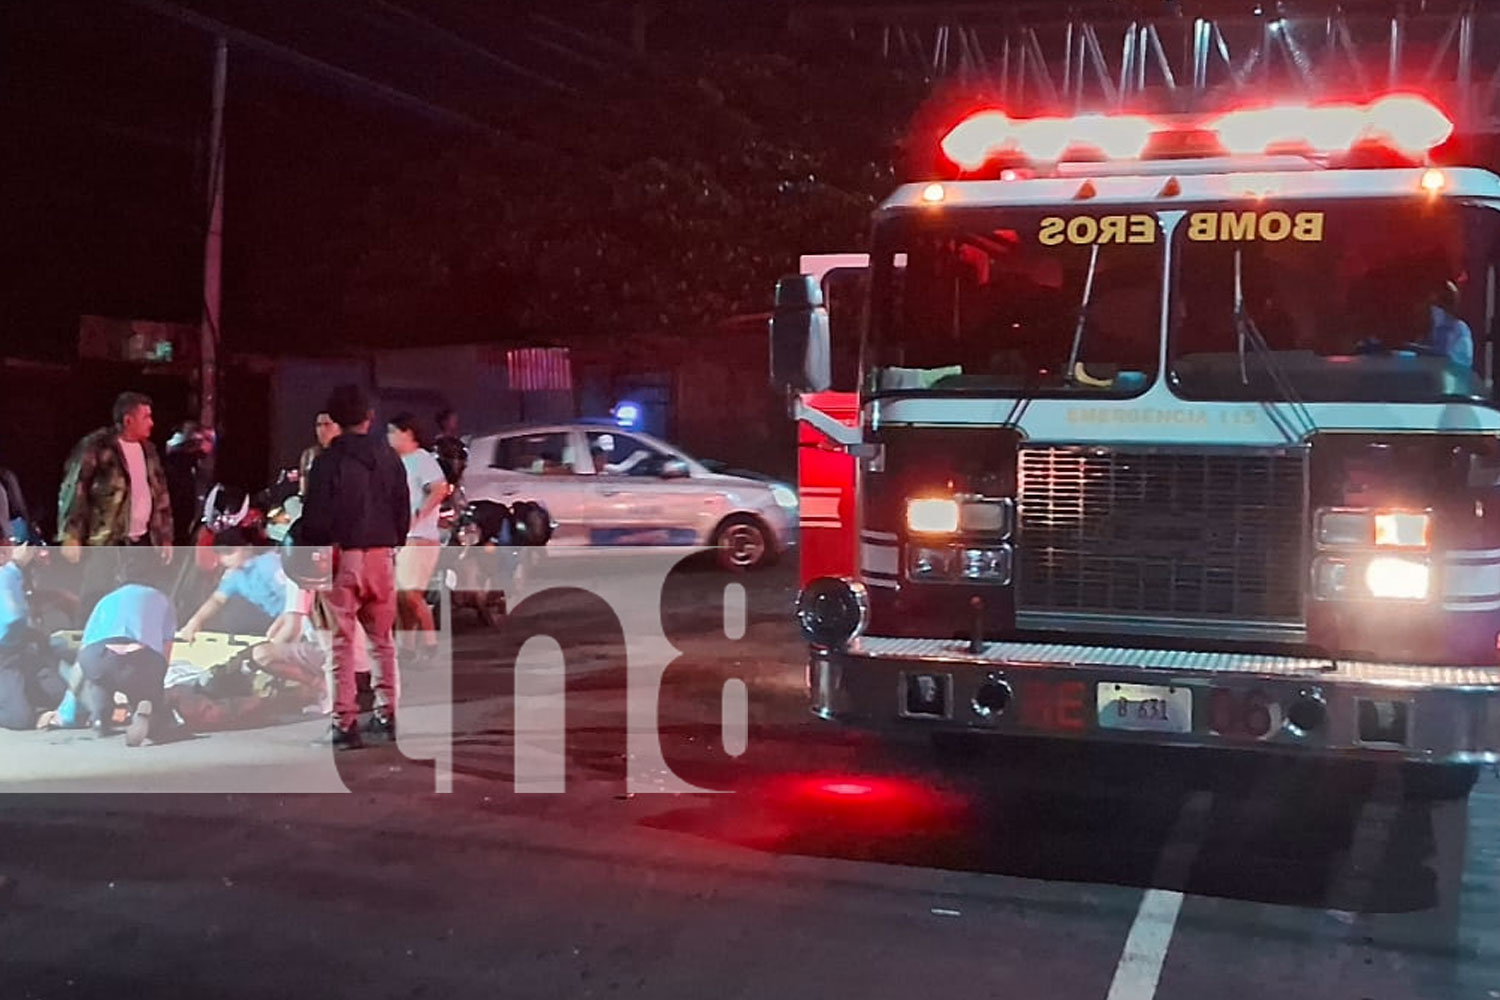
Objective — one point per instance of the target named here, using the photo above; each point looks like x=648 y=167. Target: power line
x=318 y=67
x=473 y=48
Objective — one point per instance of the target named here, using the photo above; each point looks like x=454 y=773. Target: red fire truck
x=1169 y=431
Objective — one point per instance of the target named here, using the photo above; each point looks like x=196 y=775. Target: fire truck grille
x=1174 y=534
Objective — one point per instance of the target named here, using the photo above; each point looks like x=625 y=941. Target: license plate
x=1146 y=708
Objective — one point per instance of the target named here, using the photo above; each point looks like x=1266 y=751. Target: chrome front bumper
x=1411 y=711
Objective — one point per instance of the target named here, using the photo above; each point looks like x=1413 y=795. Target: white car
x=604 y=485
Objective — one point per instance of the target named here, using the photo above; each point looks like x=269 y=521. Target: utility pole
x=213 y=246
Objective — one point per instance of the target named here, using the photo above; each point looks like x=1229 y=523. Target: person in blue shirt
x=126 y=646
x=15 y=611
x=1449 y=336
x=254 y=583
x=30 y=682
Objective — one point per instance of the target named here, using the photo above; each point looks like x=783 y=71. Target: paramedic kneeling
x=127 y=643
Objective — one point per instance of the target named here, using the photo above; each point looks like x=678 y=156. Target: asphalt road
x=824 y=864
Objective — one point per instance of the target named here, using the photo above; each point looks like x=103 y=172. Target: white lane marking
x=735 y=618
x=1145 y=952
x=1146 y=946
x=734 y=716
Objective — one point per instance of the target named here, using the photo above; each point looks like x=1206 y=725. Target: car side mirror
x=800 y=348
x=674 y=468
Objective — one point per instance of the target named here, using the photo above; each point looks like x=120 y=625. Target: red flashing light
x=984 y=136
x=1409 y=122
x=1405 y=123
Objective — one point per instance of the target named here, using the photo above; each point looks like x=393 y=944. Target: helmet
x=492 y=522
x=224 y=508
x=533 y=523
x=308 y=566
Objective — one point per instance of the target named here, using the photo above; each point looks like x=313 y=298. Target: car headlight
x=831 y=611
x=932 y=516
x=784 y=496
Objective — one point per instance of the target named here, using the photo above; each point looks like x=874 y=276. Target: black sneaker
x=102 y=728
x=381 y=727
x=340 y=738
x=140 y=725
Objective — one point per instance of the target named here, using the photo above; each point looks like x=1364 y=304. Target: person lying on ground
x=264 y=684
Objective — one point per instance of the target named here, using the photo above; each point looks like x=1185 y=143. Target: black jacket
x=356 y=496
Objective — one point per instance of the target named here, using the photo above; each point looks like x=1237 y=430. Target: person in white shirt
x=114 y=495
x=418 y=558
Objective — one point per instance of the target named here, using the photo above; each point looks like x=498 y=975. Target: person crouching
x=126 y=646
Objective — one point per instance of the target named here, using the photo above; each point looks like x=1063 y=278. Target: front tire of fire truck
x=1438 y=782
x=743 y=543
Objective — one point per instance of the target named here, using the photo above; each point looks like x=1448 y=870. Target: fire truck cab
x=1166 y=432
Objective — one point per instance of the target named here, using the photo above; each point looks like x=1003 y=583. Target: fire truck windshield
x=1016 y=302
x=1352 y=301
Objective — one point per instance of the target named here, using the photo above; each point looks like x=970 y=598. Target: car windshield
x=1375 y=301
x=1011 y=302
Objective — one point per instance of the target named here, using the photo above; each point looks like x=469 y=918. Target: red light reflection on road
x=847 y=788
x=843 y=814
x=877 y=805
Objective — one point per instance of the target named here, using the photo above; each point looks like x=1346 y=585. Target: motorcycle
x=479 y=562
x=282 y=502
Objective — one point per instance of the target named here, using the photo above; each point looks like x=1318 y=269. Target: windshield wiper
x=1246 y=332
x=1070 y=374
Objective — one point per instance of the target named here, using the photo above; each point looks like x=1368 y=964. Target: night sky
x=105 y=107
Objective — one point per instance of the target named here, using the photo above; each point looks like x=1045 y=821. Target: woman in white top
x=418 y=558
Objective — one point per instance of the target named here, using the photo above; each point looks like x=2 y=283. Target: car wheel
x=743 y=543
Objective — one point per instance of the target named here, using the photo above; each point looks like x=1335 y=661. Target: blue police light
x=627 y=413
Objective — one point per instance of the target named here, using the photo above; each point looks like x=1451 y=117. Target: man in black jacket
x=357 y=502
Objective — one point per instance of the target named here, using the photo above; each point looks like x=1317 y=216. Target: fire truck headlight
x=927 y=563
x=831 y=611
x=957 y=564
x=784 y=496
x=1400 y=529
x=986 y=517
x=932 y=516
x=987 y=565
x=1345 y=527
x=1332 y=579
x=1397 y=578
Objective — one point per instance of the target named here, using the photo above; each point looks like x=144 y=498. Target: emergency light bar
x=1406 y=123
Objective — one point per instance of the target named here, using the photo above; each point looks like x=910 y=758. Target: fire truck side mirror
x=800 y=350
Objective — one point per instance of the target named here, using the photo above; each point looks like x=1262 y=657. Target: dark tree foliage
x=668 y=201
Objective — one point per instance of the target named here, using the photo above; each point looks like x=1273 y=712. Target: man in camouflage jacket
x=93 y=506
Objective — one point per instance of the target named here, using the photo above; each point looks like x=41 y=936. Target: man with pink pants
x=357 y=502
